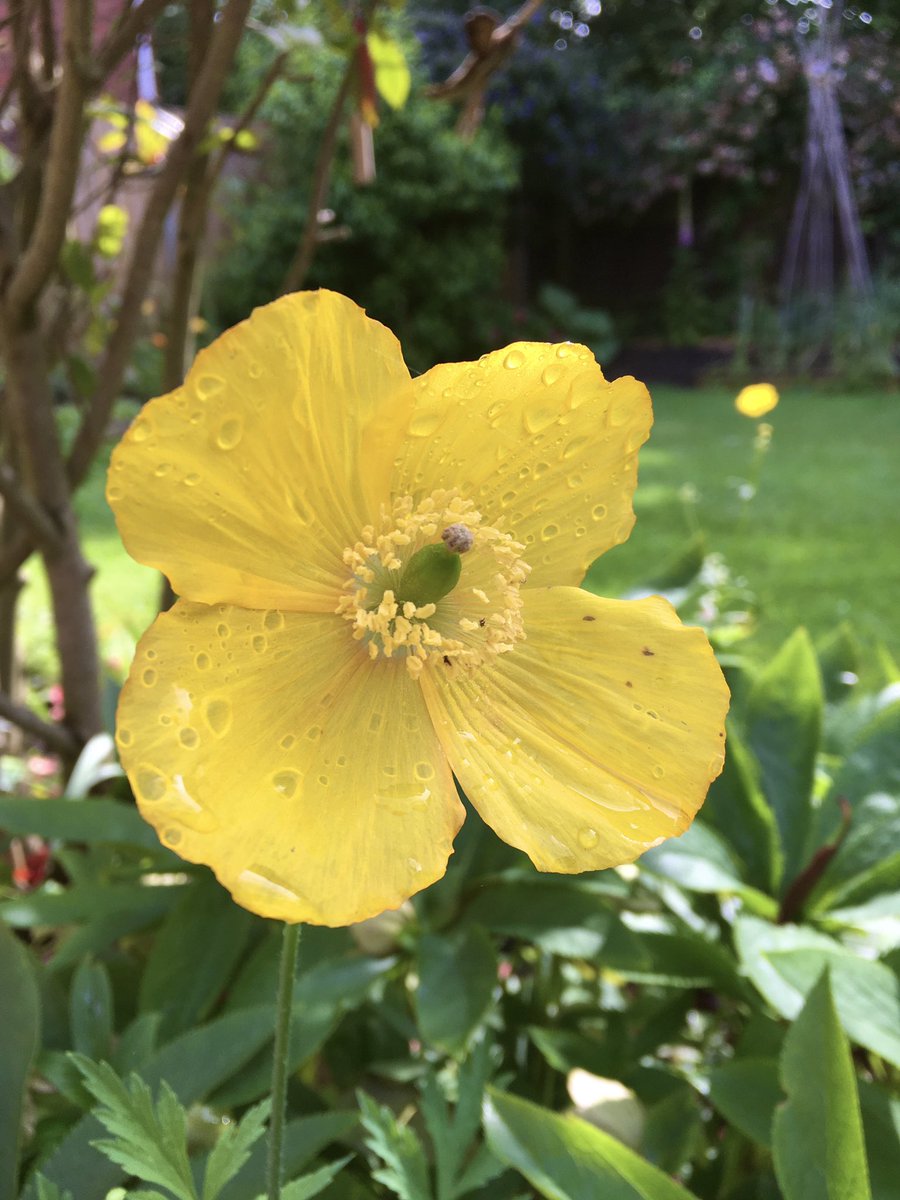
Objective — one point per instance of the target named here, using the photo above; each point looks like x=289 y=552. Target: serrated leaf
x=405 y=1169
x=452 y=1133
x=310 y=1185
x=457 y=977
x=149 y=1140
x=784 y=726
x=564 y=1158
x=233 y=1149
x=303 y=1139
x=18 y=1045
x=817 y=1137
x=193 y=1065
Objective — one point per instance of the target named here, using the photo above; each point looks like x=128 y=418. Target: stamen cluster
x=480 y=617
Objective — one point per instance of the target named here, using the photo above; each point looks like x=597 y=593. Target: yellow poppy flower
x=296 y=720
x=756 y=400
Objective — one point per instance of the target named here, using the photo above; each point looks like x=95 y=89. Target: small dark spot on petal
x=647 y=651
x=721 y=735
x=628 y=683
x=589 y=618
x=446 y=661
x=482 y=622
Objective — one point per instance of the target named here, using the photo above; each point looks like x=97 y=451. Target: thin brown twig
x=201 y=106
x=55 y=737
x=271 y=76
x=134 y=20
x=306 y=251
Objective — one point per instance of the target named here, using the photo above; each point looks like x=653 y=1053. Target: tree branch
x=63 y=160
x=27 y=509
x=55 y=737
x=306 y=251
x=201 y=107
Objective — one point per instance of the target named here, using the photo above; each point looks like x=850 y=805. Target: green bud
x=434 y=571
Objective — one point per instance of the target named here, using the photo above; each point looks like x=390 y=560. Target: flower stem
x=290 y=939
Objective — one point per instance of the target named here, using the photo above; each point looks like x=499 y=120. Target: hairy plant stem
x=283 y=1003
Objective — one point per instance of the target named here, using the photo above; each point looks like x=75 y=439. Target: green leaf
x=457 y=977
x=233 y=1149
x=869 y=779
x=405 y=1169
x=457 y=1168
x=193 y=1065
x=881 y=1126
x=737 y=810
x=49 y=1191
x=570 y=919
x=310 y=1185
x=392 y=77
x=746 y=1092
x=684 y=959
x=784 y=724
x=149 y=1140
x=838 y=653
x=87 y=903
x=193 y=956
x=303 y=1139
x=817 y=1136
x=700 y=861
x=18 y=1045
x=91 y=1010
x=92 y=821
x=564 y=1158
x=756 y=939
x=866 y=994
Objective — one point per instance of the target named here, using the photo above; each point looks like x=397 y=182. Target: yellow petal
x=541 y=442
x=245 y=485
x=593 y=739
x=756 y=400
x=269 y=746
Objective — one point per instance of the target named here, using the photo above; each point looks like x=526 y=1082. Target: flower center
x=434 y=584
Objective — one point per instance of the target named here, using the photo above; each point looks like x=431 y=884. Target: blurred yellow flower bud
x=756 y=400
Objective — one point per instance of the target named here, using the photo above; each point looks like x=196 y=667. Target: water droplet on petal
x=598 y=512
x=223 y=630
x=230 y=433
x=514 y=359
x=424 y=770
x=658 y=772
x=172 y=837
x=259 y=643
x=273 y=620
x=565 y=351
x=217 y=714
x=148 y=677
x=287 y=741
x=551 y=375
x=162 y=469
x=209 y=385
x=202 y=661
x=588 y=838
x=150 y=784
x=574 y=447
x=549 y=532
x=189 y=737
x=314 y=732
x=114 y=492
x=414 y=865
x=425 y=421
x=285 y=783
x=538 y=414
x=141 y=429
x=374 y=722
x=192 y=479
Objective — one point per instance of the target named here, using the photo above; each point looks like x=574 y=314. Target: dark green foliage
x=420 y=248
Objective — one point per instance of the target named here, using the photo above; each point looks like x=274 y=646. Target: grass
x=819 y=544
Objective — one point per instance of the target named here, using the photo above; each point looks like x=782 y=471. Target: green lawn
x=821 y=542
